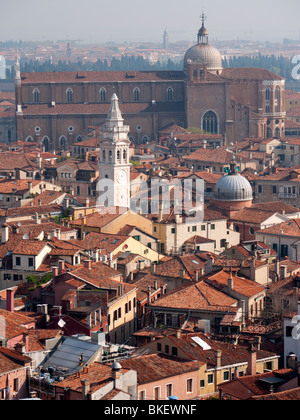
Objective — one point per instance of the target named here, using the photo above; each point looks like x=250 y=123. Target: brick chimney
x=88 y=264
x=61 y=266
x=10 y=297
x=251 y=370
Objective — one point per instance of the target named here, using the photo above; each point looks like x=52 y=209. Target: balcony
x=287 y=195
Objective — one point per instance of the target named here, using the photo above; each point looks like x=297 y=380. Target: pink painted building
x=161 y=376
x=14 y=370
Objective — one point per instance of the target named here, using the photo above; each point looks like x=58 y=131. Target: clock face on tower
x=121 y=177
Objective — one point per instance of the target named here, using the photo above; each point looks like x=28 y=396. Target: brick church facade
x=57 y=108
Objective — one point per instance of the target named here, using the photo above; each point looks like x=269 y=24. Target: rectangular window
x=169 y=390
x=119 y=312
x=142 y=395
x=213 y=226
x=210 y=379
x=16 y=384
x=226 y=375
x=194 y=228
x=202 y=383
x=156 y=393
x=30 y=262
x=167 y=349
x=174 y=351
x=189 y=385
x=18 y=261
x=173 y=230
x=158 y=346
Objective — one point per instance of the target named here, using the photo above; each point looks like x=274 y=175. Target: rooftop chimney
x=283 y=272
x=10 y=297
x=218 y=354
x=88 y=264
x=61 y=266
x=85 y=386
x=4 y=233
x=252 y=361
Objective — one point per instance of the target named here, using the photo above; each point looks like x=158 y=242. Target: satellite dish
x=61 y=323
x=26 y=236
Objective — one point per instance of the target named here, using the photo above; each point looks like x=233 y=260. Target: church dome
x=233 y=187
x=204 y=52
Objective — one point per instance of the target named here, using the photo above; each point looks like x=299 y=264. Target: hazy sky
x=140 y=20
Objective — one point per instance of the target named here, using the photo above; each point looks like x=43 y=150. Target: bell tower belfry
x=114 y=155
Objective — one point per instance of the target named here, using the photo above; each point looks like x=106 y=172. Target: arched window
x=170 y=94
x=29 y=138
x=104 y=155
x=118 y=154
x=110 y=155
x=267 y=98
x=46 y=143
x=277 y=133
x=36 y=96
x=102 y=95
x=63 y=143
x=69 y=94
x=124 y=155
x=210 y=122
x=277 y=99
x=269 y=133
x=136 y=94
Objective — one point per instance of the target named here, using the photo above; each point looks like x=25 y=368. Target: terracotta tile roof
x=231 y=354
x=220 y=155
x=252 y=215
x=197 y=296
x=101 y=109
x=208 y=177
x=143 y=283
x=29 y=247
x=15 y=323
x=38 y=337
x=98 y=273
x=100 y=76
x=30 y=211
x=155 y=367
x=276 y=206
x=92 y=142
x=291 y=394
x=249 y=74
x=97 y=374
x=11 y=360
x=198 y=240
x=98 y=219
x=288 y=228
x=242 y=286
x=46 y=197
x=105 y=241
